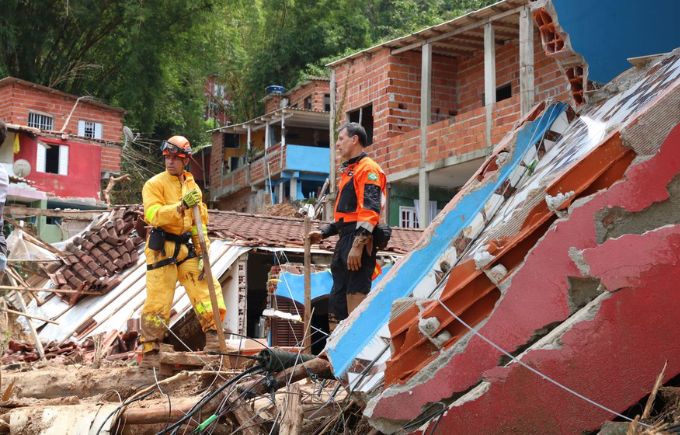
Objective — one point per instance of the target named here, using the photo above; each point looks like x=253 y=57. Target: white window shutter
x=81 y=128
x=433 y=210
x=63 y=160
x=40 y=158
x=98 y=130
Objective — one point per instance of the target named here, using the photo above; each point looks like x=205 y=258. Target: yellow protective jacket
x=162 y=196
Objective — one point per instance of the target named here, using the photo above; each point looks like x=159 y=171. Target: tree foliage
x=152 y=57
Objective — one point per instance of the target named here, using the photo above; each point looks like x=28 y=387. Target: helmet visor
x=169 y=149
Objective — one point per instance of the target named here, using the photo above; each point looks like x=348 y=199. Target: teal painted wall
x=404 y=194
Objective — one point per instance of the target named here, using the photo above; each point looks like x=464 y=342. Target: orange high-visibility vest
x=361 y=193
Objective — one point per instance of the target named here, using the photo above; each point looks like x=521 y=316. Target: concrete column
x=247 y=162
x=489 y=78
x=283 y=129
x=425 y=115
x=331 y=142
x=283 y=139
x=267 y=136
x=526 y=60
x=280 y=192
x=267 y=144
x=293 y=191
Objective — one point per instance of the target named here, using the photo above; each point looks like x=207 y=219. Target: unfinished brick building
x=435 y=102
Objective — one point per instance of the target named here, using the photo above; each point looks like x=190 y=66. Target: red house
x=70 y=142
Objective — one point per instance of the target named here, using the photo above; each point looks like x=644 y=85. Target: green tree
x=152 y=57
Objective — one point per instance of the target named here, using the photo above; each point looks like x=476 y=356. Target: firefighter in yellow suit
x=173 y=251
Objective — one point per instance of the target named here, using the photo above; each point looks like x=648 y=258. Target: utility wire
x=537 y=372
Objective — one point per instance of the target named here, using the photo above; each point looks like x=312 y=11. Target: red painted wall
x=84 y=166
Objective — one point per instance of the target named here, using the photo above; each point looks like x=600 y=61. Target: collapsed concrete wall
x=554 y=287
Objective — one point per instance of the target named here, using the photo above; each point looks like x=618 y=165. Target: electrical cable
x=123 y=405
x=208 y=398
x=155 y=378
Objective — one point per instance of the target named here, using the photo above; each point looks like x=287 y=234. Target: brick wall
x=296 y=96
x=392 y=85
x=272 y=102
x=446 y=138
x=363 y=81
x=316 y=88
x=110 y=158
x=548 y=79
x=238 y=201
x=272 y=165
x=18 y=99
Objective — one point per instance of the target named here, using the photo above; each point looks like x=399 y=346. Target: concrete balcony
x=290 y=166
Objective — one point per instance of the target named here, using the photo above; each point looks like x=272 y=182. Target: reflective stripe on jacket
x=361 y=193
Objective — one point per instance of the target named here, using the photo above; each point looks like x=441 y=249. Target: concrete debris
x=549 y=289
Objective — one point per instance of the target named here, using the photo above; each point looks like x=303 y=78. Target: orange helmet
x=177 y=146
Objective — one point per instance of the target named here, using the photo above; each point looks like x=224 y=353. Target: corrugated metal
x=97 y=314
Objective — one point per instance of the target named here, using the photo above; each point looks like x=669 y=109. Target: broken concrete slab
x=67 y=420
x=612 y=357
x=533 y=298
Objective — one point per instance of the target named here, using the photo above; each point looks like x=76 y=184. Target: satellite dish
x=21 y=168
x=129 y=135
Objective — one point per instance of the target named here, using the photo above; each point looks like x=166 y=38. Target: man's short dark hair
x=3 y=132
x=355 y=129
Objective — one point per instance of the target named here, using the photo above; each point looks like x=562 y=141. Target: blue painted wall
x=308 y=159
x=292 y=285
x=607 y=32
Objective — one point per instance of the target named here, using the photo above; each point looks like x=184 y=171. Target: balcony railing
x=277 y=159
x=447 y=138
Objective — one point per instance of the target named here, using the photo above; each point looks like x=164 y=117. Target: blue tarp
x=292 y=285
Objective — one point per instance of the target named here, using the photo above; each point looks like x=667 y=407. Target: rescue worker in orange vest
x=173 y=251
x=358 y=206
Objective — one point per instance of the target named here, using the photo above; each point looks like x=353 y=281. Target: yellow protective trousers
x=160 y=292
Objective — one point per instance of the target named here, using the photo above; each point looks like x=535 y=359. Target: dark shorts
x=346 y=281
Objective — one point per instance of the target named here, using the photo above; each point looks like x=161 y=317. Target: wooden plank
x=205 y=254
x=292 y=411
x=48 y=290
x=164 y=413
x=489 y=78
x=34 y=332
x=248 y=421
x=18 y=211
x=194 y=359
x=526 y=61
x=474 y=25
x=308 y=284
x=19 y=313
